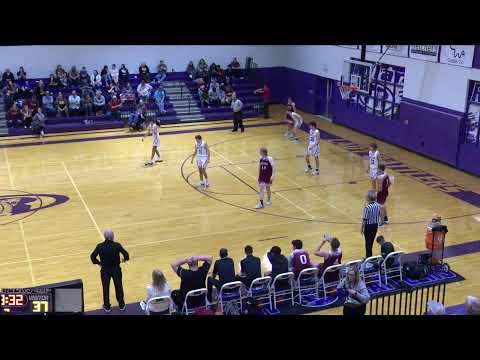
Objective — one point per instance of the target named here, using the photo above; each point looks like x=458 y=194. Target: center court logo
x=16 y=205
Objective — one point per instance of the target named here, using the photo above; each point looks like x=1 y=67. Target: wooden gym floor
x=158 y=215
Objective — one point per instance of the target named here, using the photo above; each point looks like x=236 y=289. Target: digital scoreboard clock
x=26 y=301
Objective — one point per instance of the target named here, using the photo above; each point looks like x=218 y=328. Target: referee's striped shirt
x=371 y=213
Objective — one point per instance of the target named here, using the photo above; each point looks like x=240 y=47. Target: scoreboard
x=26 y=301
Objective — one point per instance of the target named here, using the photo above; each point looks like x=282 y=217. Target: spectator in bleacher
x=472 y=305
x=358 y=296
x=58 y=70
x=159 y=97
x=38 y=123
x=127 y=95
x=39 y=91
x=192 y=278
x=84 y=77
x=212 y=72
x=265 y=92
x=202 y=66
x=161 y=71
x=139 y=117
x=27 y=116
x=234 y=68
x=203 y=96
x=158 y=288
x=224 y=268
x=386 y=248
x=99 y=103
x=435 y=308
x=333 y=256
x=96 y=80
x=7 y=75
x=220 y=75
x=21 y=76
x=87 y=104
x=8 y=100
x=144 y=72
x=123 y=75
x=74 y=103
x=114 y=73
x=105 y=75
x=228 y=93
x=61 y=75
x=14 y=116
x=144 y=90
x=250 y=267
x=222 y=97
x=213 y=84
x=191 y=70
x=73 y=76
x=86 y=89
x=112 y=89
x=213 y=96
x=62 y=105
x=10 y=85
x=299 y=259
x=115 y=105
x=33 y=104
x=48 y=104
x=278 y=261
x=53 y=82
x=21 y=94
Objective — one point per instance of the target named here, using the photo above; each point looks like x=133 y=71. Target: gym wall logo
x=461 y=55
x=17 y=205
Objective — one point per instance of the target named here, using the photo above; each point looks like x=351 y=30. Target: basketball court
x=77 y=184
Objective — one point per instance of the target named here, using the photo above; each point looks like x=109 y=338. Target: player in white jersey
x=153 y=129
x=313 y=148
x=202 y=152
x=373 y=161
x=297 y=123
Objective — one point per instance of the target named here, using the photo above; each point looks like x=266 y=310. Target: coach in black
x=371 y=216
x=109 y=252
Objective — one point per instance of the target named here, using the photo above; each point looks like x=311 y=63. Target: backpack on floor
x=415 y=270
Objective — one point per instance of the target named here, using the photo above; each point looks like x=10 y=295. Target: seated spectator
x=203 y=96
x=220 y=74
x=158 y=288
x=74 y=103
x=435 y=308
x=58 y=70
x=7 y=75
x=127 y=95
x=53 y=83
x=87 y=104
x=62 y=76
x=112 y=89
x=144 y=90
x=385 y=249
x=159 y=97
x=333 y=256
x=84 y=77
x=62 y=105
x=21 y=76
x=299 y=259
x=48 y=104
x=27 y=116
x=138 y=118
x=224 y=268
x=21 y=94
x=234 y=68
x=250 y=267
x=202 y=67
x=114 y=73
x=105 y=75
x=222 y=97
x=192 y=278
x=472 y=305
x=8 y=100
x=86 y=89
x=161 y=71
x=14 y=116
x=33 y=104
x=228 y=93
x=99 y=103
x=191 y=70
x=144 y=72
x=115 y=105
x=96 y=80
x=357 y=293
x=10 y=85
x=123 y=75
x=38 y=123
x=213 y=97
x=73 y=76
x=39 y=91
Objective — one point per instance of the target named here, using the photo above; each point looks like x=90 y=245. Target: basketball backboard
x=358 y=73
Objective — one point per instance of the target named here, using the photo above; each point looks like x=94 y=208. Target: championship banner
x=350 y=46
x=461 y=55
x=374 y=48
x=424 y=52
x=397 y=50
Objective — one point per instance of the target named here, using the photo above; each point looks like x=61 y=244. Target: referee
x=109 y=252
x=371 y=217
x=237 y=107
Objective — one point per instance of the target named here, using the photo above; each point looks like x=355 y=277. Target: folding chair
x=307 y=283
x=394 y=270
x=283 y=294
x=260 y=291
x=371 y=270
x=199 y=294
x=162 y=302
x=231 y=293
x=331 y=278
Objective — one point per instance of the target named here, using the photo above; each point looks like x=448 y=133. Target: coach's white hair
x=108 y=234
x=435 y=308
x=372 y=195
x=472 y=305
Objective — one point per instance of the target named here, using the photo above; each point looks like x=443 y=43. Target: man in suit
x=109 y=252
x=250 y=267
x=224 y=268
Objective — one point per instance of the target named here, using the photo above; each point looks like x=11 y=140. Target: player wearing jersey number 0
x=373 y=161
x=299 y=259
x=313 y=148
x=153 y=129
x=266 y=174
x=202 y=152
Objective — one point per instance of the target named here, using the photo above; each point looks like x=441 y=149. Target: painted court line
x=83 y=201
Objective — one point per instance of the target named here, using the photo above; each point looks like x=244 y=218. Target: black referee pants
x=369 y=232
x=116 y=274
x=238 y=121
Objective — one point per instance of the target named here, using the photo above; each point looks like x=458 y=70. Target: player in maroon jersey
x=299 y=258
x=266 y=174
x=383 y=183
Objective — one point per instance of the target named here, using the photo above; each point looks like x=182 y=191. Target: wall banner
x=397 y=50
x=424 y=52
x=461 y=55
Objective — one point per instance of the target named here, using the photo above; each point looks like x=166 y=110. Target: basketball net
x=345 y=91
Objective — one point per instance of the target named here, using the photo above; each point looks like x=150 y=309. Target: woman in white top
x=114 y=73
x=158 y=287
x=153 y=129
x=96 y=79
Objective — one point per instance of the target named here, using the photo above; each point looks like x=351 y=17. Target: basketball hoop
x=345 y=91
